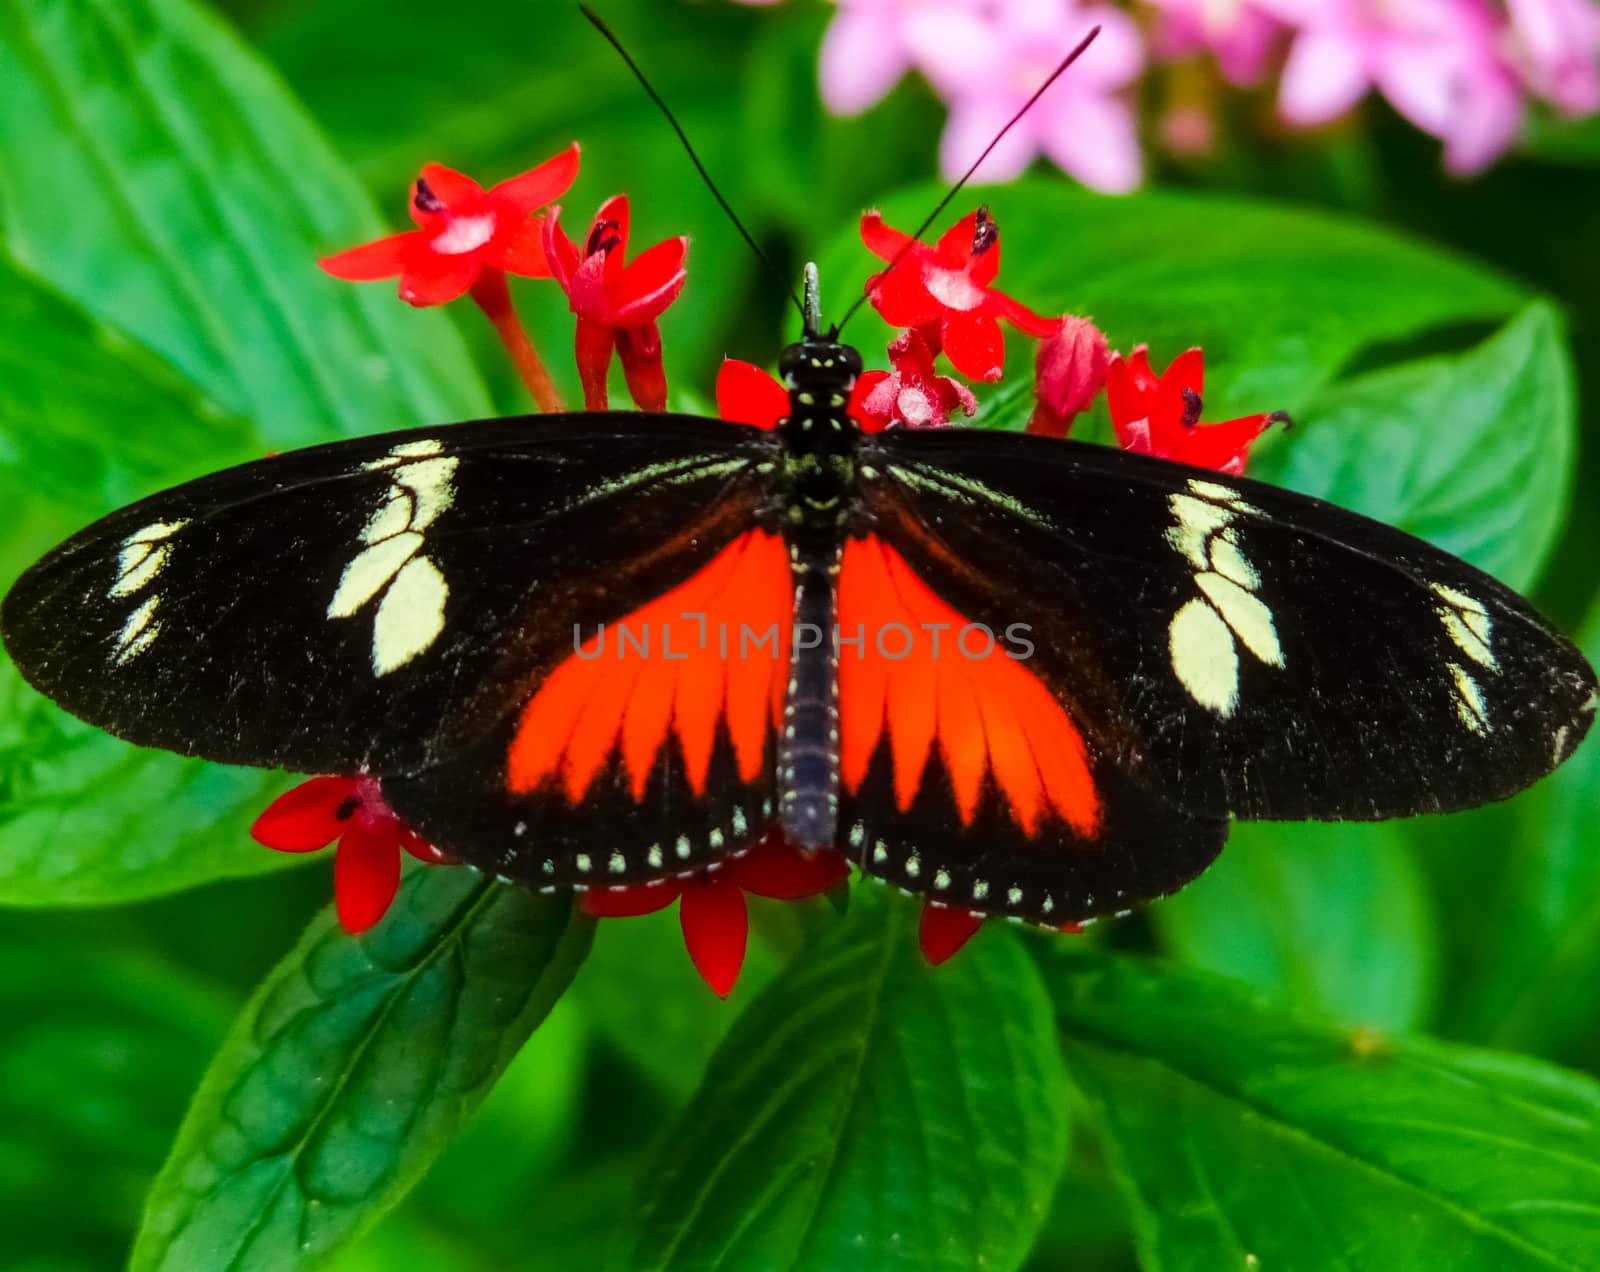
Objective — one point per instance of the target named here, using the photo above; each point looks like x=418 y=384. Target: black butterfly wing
x=392 y=604
x=1212 y=648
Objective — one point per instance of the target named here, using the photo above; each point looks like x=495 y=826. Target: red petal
x=715 y=929
x=864 y=407
x=774 y=868
x=1125 y=398
x=640 y=351
x=366 y=875
x=592 y=346
x=649 y=284
x=421 y=849
x=954 y=247
x=943 y=931
x=902 y=299
x=306 y=818
x=538 y=186
x=1020 y=316
x=748 y=395
x=1188 y=371
x=629 y=903
x=434 y=279
x=382 y=258
x=614 y=209
x=559 y=252
x=457 y=191
x=974 y=345
x=910 y=355
x=1220 y=447
x=882 y=241
x=518 y=248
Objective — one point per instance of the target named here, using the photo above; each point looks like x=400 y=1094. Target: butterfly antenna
x=966 y=176
x=599 y=25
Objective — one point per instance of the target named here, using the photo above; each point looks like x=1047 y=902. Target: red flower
x=462 y=230
x=943 y=931
x=945 y=289
x=748 y=395
x=715 y=925
x=366 y=869
x=1160 y=415
x=1069 y=370
x=913 y=395
x=617 y=305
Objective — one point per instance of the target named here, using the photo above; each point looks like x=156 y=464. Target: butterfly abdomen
x=808 y=749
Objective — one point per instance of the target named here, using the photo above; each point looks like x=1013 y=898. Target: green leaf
x=89 y=421
x=102 y=1047
x=156 y=172
x=351 y=1068
x=1280 y=298
x=1540 y=974
x=1474 y=453
x=867 y=1103
x=1246 y=1137
x=1333 y=918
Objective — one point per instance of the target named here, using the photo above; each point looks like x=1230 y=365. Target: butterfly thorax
x=819 y=440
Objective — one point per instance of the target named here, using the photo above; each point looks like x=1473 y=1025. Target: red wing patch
x=714 y=648
x=955 y=684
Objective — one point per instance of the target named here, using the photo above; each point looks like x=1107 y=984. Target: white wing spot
x=1469 y=700
x=1204 y=657
x=410 y=617
x=137 y=633
x=1250 y=619
x=1228 y=561
x=1467 y=624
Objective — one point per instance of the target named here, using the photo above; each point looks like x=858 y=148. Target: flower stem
x=494 y=298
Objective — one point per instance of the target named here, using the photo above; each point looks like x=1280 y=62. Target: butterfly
x=1024 y=676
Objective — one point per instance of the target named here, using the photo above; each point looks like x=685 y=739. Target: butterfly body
x=1016 y=675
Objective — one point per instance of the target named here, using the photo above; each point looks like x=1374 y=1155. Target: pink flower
x=1435 y=60
x=1239 y=32
x=912 y=396
x=1554 y=45
x=1070 y=369
x=987 y=62
x=870 y=44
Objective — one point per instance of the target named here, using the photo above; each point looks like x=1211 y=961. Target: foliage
x=1243 y=1072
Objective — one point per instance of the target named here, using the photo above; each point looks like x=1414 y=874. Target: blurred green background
x=161 y=198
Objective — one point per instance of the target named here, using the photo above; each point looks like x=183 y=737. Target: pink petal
x=972 y=125
x=862 y=58
x=307 y=817
x=366 y=875
x=715 y=930
x=1325 y=76
x=1096 y=140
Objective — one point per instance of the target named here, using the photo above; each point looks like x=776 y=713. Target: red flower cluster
x=712 y=908
x=944 y=299
x=351 y=812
